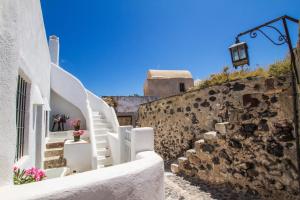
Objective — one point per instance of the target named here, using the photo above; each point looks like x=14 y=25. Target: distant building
x=165 y=83
x=126 y=107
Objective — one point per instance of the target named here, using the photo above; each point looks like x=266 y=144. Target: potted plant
x=22 y=176
x=77 y=135
x=76 y=124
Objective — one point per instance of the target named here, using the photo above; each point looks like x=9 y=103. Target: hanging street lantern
x=239 y=54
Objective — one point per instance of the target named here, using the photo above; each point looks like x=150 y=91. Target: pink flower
x=15 y=168
x=78 y=133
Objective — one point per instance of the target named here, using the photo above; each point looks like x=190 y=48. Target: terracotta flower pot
x=76 y=138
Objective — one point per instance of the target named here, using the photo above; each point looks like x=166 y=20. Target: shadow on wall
x=61 y=106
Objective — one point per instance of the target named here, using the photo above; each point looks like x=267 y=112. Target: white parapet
x=142 y=139
x=139 y=179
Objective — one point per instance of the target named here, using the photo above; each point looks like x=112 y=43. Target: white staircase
x=101 y=129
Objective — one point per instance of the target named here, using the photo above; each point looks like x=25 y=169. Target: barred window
x=20 y=116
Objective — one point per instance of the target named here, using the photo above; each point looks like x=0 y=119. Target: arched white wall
x=71 y=89
x=61 y=106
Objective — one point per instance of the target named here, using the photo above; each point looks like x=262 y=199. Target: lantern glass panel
x=235 y=54
x=242 y=52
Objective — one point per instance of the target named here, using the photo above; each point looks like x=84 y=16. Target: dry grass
x=279 y=68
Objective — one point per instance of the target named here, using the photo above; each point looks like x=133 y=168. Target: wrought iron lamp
x=239 y=54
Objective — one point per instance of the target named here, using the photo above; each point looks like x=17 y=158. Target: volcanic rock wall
x=257 y=152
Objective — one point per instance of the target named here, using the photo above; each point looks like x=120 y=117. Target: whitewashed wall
x=8 y=86
x=24 y=51
x=61 y=106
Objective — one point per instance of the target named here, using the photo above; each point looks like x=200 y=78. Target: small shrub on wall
x=280 y=68
x=276 y=69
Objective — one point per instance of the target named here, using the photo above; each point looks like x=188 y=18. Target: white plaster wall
x=71 y=89
x=142 y=139
x=142 y=179
x=114 y=144
x=61 y=106
x=34 y=65
x=8 y=86
x=24 y=50
x=78 y=155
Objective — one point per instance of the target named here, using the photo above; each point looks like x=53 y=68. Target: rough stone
x=274 y=148
x=212 y=135
x=221 y=127
x=175 y=168
x=255 y=152
x=247 y=130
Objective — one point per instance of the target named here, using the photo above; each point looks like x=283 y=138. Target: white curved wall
x=61 y=106
x=71 y=89
x=142 y=179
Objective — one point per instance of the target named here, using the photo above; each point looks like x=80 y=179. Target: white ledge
x=140 y=179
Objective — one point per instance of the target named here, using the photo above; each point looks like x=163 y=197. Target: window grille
x=20 y=116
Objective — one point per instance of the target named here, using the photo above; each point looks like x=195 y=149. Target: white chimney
x=54 y=49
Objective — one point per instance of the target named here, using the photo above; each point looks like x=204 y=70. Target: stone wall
x=255 y=150
x=126 y=107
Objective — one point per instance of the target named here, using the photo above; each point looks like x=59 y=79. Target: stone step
x=102 y=125
x=102 y=136
x=211 y=135
x=182 y=161
x=221 y=127
x=54 y=162
x=174 y=168
x=98 y=116
x=99 y=120
x=190 y=152
x=54 y=145
x=54 y=152
x=101 y=144
x=103 y=152
x=101 y=130
x=103 y=160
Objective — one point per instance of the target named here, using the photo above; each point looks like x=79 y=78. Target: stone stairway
x=54 y=155
x=202 y=148
x=101 y=129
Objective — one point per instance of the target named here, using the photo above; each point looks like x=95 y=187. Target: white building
x=33 y=87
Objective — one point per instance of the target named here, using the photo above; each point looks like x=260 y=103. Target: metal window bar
x=20 y=116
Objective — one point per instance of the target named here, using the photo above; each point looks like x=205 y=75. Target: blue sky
x=111 y=44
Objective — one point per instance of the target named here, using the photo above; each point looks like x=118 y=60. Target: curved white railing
x=71 y=89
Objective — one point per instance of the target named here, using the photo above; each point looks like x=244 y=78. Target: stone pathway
x=177 y=188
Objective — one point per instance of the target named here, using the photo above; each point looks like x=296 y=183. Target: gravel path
x=176 y=188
